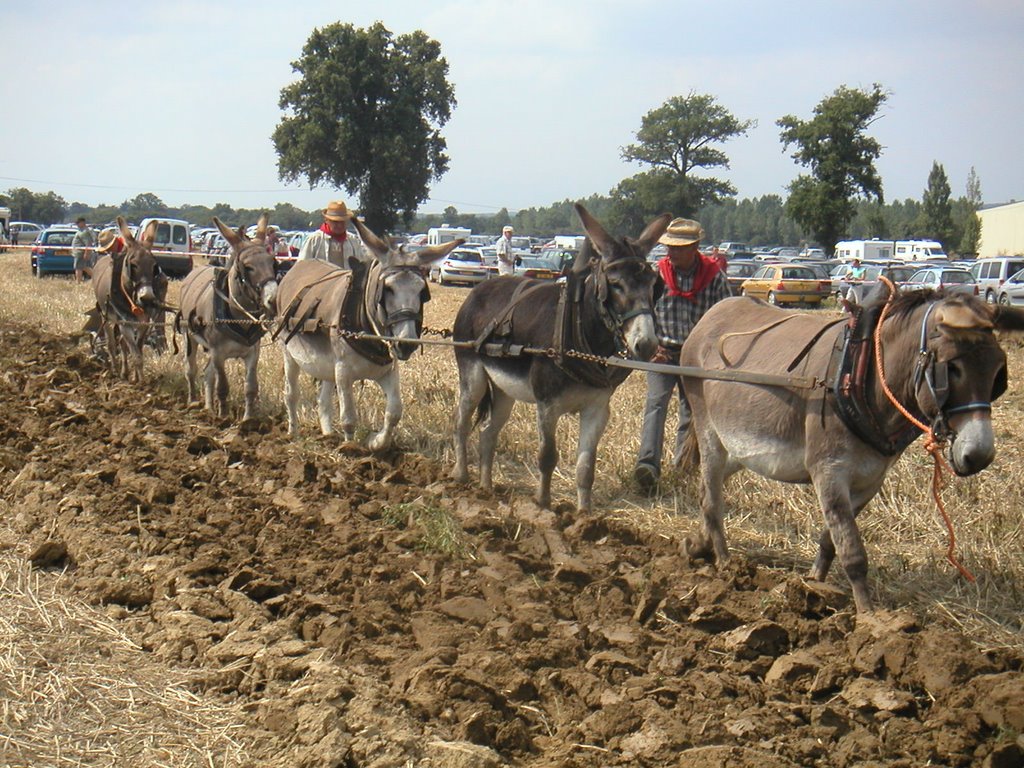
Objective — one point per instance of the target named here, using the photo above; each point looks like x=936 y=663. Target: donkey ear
x=437 y=252
x=149 y=236
x=600 y=238
x=652 y=232
x=1008 y=318
x=374 y=243
x=228 y=233
x=241 y=233
x=261 y=227
x=126 y=233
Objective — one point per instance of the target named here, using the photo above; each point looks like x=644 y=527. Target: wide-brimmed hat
x=336 y=210
x=682 y=232
x=107 y=240
x=507 y=228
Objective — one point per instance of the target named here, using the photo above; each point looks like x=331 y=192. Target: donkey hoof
x=698 y=549
x=460 y=476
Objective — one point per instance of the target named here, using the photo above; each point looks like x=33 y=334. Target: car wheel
x=773 y=299
x=1004 y=299
x=990 y=298
x=743 y=292
x=440 y=279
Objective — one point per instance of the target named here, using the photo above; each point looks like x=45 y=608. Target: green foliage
x=841 y=159
x=437 y=530
x=937 y=209
x=366 y=117
x=40 y=207
x=967 y=213
x=675 y=139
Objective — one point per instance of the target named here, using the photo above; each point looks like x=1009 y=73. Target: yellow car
x=786 y=284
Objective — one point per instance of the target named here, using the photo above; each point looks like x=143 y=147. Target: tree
x=675 y=139
x=971 y=238
x=144 y=206
x=841 y=159
x=366 y=116
x=41 y=208
x=937 y=209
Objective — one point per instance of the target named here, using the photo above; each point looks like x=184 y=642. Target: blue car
x=51 y=252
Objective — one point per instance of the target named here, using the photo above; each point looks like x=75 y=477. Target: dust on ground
x=366 y=611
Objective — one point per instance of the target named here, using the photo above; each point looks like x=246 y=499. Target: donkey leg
x=391 y=387
x=501 y=409
x=325 y=403
x=714 y=468
x=593 y=420
x=291 y=391
x=344 y=383
x=209 y=381
x=846 y=541
x=472 y=389
x=547 y=457
x=252 y=381
x=221 y=380
x=191 y=366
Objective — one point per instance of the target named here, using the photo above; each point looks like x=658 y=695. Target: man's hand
x=661 y=356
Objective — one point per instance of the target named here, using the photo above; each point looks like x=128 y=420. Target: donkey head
x=401 y=285
x=962 y=371
x=252 y=264
x=624 y=280
x=139 y=267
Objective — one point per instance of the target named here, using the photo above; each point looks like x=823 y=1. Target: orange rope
x=136 y=309
x=932 y=444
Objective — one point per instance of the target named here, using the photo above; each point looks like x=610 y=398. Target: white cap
x=507 y=228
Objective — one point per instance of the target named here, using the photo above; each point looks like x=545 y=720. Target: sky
x=107 y=100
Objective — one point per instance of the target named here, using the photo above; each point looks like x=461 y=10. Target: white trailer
x=865 y=250
x=919 y=250
x=445 y=234
x=5 y=226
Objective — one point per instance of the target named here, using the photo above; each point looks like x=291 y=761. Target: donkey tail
x=483 y=408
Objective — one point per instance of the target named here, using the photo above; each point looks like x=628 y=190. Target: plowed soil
x=320 y=584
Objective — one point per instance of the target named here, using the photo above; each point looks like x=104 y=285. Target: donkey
x=605 y=306
x=324 y=307
x=126 y=299
x=223 y=311
x=941 y=360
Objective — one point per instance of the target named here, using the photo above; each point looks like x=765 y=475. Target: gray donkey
x=223 y=310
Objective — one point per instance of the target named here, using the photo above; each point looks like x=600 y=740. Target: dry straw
x=774 y=522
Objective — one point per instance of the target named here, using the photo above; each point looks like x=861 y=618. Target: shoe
x=646 y=478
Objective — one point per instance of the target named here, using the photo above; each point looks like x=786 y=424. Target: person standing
x=691 y=285
x=506 y=257
x=720 y=259
x=333 y=242
x=83 y=250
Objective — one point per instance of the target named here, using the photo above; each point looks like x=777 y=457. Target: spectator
x=692 y=284
x=109 y=243
x=506 y=257
x=333 y=242
x=856 y=270
x=719 y=258
x=83 y=250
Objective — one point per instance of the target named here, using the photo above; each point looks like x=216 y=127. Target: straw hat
x=507 y=228
x=336 y=210
x=107 y=240
x=682 y=232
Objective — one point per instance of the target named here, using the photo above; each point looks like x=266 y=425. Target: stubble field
x=212 y=593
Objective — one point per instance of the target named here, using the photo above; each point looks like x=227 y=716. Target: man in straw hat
x=691 y=285
x=333 y=242
x=109 y=243
x=506 y=256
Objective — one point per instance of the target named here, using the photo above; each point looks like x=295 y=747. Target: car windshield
x=535 y=263
x=58 y=238
x=797 y=273
x=899 y=274
x=466 y=256
x=740 y=270
x=957 y=276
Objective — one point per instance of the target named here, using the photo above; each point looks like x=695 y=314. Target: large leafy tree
x=39 y=207
x=366 y=117
x=675 y=139
x=835 y=147
x=937 y=208
x=971 y=227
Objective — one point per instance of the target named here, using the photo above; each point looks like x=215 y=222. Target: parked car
x=991 y=273
x=26 y=231
x=1011 y=292
x=172 y=245
x=952 y=279
x=854 y=291
x=738 y=271
x=463 y=265
x=52 y=252
x=538 y=268
x=786 y=284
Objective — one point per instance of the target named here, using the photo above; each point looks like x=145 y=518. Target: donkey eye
x=955 y=370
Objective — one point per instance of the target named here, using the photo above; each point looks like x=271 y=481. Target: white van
x=172 y=237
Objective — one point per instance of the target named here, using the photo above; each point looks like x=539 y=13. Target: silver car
x=952 y=279
x=1011 y=292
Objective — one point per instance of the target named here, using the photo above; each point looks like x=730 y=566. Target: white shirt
x=320 y=245
x=506 y=257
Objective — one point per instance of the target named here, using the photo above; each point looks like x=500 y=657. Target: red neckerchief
x=706 y=271
x=325 y=227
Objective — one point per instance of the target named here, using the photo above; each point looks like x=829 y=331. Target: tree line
x=366 y=112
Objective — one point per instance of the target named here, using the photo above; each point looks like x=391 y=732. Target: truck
x=445 y=234
x=5 y=227
x=890 y=250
